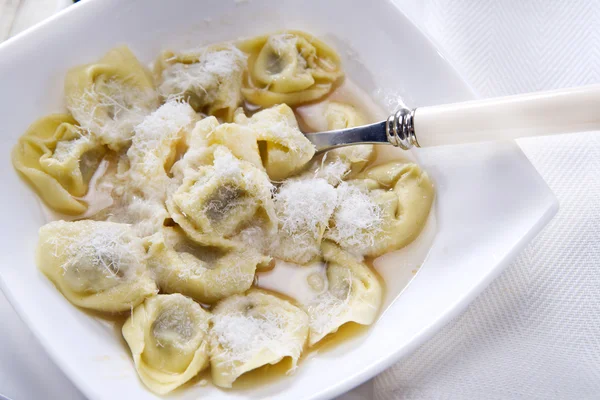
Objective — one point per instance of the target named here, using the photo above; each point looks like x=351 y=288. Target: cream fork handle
x=533 y=114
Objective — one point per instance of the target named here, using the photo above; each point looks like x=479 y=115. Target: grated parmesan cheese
x=332 y=169
x=165 y=123
x=287 y=44
x=143 y=188
x=96 y=254
x=155 y=142
x=254 y=330
x=66 y=149
x=357 y=219
x=111 y=109
x=303 y=208
x=206 y=77
x=178 y=326
x=243 y=336
x=226 y=166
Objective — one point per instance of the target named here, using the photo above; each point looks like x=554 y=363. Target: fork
x=511 y=117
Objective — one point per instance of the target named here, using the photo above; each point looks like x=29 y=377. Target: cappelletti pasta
x=182 y=188
x=289 y=67
x=96 y=265
x=285 y=151
x=215 y=202
x=345 y=162
x=205 y=273
x=402 y=193
x=59 y=158
x=353 y=294
x=210 y=78
x=168 y=337
x=254 y=330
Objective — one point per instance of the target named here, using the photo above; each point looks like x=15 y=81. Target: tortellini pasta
x=210 y=78
x=96 y=265
x=110 y=97
x=58 y=158
x=343 y=163
x=146 y=216
x=241 y=140
x=340 y=116
x=289 y=67
x=199 y=152
x=283 y=148
x=206 y=273
x=352 y=294
x=403 y=193
x=168 y=338
x=254 y=330
x=218 y=201
x=155 y=146
x=270 y=140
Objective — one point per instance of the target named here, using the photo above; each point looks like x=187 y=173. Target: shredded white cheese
x=98 y=248
x=205 y=76
x=110 y=110
x=304 y=207
x=357 y=219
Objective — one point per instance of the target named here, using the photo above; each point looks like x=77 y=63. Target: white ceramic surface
x=490 y=203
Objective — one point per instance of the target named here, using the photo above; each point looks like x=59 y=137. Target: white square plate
x=490 y=200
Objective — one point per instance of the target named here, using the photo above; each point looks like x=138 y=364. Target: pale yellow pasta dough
x=111 y=96
x=290 y=67
x=284 y=150
x=199 y=152
x=341 y=116
x=96 y=265
x=241 y=140
x=254 y=330
x=209 y=78
x=216 y=202
x=168 y=338
x=58 y=159
x=206 y=273
x=352 y=294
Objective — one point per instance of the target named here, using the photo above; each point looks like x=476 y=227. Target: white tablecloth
x=535 y=332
